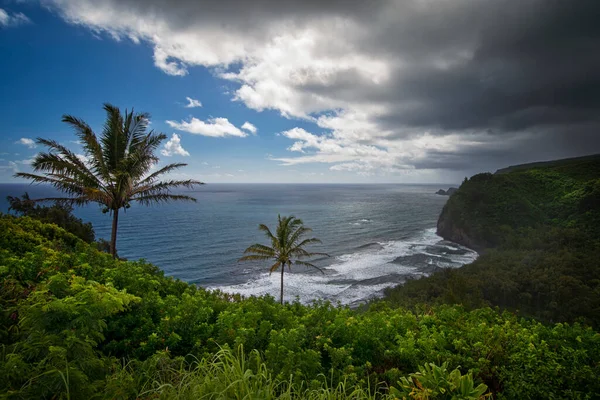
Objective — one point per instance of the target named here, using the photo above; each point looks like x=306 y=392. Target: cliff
x=487 y=207
x=537 y=229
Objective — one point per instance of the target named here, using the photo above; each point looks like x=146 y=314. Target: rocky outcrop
x=448 y=192
x=448 y=229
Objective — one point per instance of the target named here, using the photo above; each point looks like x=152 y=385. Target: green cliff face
x=537 y=229
x=488 y=208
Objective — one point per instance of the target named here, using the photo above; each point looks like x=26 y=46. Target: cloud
x=192 y=103
x=8 y=20
x=173 y=146
x=27 y=142
x=249 y=127
x=27 y=161
x=214 y=127
x=393 y=85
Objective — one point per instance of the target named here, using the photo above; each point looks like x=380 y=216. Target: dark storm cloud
x=541 y=144
x=509 y=65
x=525 y=71
x=532 y=63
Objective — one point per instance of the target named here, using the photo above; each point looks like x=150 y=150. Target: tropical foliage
x=59 y=213
x=287 y=246
x=116 y=169
x=76 y=323
x=433 y=382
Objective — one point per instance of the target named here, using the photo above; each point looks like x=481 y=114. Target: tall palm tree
x=116 y=169
x=287 y=246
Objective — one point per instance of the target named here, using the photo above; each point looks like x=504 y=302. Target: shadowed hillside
x=537 y=227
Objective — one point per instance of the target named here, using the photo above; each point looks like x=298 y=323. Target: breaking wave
x=363 y=274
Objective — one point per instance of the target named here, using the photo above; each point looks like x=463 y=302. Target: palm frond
x=113 y=139
x=90 y=145
x=161 y=198
x=55 y=166
x=308 y=241
x=161 y=188
x=252 y=257
x=268 y=233
x=166 y=169
x=261 y=249
x=274 y=267
x=64 y=186
x=135 y=128
x=78 y=201
x=298 y=233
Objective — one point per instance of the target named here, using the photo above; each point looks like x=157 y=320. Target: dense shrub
x=59 y=213
x=76 y=324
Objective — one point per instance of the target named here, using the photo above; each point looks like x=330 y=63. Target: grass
x=232 y=375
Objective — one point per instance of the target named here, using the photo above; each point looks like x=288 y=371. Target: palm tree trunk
x=282 y=270
x=113 y=235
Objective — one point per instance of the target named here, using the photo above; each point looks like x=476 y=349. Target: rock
x=448 y=192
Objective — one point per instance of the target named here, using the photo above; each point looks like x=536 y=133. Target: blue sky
x=52 y=68
x=330 y=100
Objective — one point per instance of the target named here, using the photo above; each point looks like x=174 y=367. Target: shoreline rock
x=448 y=192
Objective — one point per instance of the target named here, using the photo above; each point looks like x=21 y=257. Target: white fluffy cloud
x=12 y=19
x=173 y=146
x=192 y=103
x=249 y=127
x=214 y=127
x=331 y=148
x=27 y=142
x=395 y=85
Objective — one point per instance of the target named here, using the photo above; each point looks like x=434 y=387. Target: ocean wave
x=362 y=274
x=361 y=222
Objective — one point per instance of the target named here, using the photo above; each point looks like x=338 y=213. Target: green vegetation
x=59 y=213
x=287 y=246
x=116 y=170
x=436 y=382
x=76 y=323
x=538 y=230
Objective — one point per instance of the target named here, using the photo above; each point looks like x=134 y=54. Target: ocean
x=376 y=235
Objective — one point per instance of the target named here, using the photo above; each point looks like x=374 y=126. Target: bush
x=77 y=323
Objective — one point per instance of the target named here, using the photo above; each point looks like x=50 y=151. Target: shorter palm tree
x=287 y=246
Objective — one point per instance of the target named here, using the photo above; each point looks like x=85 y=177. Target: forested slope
x=538 y=229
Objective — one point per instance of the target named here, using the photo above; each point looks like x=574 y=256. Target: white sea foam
x=355 y=276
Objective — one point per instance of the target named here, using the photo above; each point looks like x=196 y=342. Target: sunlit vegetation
x=79 y=324
x=539 y=233
x=59 y=213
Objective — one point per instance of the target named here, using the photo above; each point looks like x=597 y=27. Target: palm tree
x=287 y=246
x=116 y=169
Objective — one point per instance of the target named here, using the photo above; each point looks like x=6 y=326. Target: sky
x=338 y=91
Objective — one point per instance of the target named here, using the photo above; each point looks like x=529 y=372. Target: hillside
x=77 y=324
x=563 y=193
x=537 y=227
x=549 y=164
